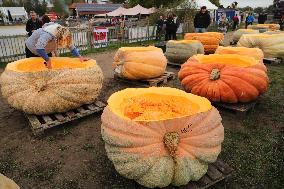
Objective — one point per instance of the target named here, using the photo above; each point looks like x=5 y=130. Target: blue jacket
x=250 y=18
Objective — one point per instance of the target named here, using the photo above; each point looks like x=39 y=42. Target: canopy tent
x=138 y=9
x=198 y=4
x=117 y=12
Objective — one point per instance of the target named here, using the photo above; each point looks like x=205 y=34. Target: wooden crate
x=272 y=61
x=158 y=81
x=216 y=172
x=240 y=108
x=39 y=123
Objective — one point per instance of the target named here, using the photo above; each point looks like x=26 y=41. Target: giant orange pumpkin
x=137 y=63
x=227 y=78
x=210 y=40
x=161 y=136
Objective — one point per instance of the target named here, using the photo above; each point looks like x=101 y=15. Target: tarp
x=198 y=4
x=14 y=11
x=138 y=9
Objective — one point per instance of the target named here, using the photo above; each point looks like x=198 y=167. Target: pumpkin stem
x=215 y=74
x=171 y=141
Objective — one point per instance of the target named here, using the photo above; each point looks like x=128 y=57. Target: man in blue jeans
x=202 y=20
x=47 y=39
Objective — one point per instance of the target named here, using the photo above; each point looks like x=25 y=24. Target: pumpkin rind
x=6 y=183
x=138 y=148
x=180 y=51
x=271 y=45
x=137 y=63
x=50 y=91
x=235 y=83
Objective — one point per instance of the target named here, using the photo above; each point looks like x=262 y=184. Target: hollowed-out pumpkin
x=6 y=183
x=137 y=63
x=251 y=52
x=229 y=78
x=180 y=51
x=271 y=45
x=161 y=136
x=29 y=86
x=210 y=40
x=238 y=34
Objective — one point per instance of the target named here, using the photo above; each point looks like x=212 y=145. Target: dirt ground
x=72 y=156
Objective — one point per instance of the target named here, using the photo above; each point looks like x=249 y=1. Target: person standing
x=223 y=24
x=159 y=25
x=249 y=20
x=45 y=19
x=202 y=20
x=235 y=21
x=170 y=28
x=33 y=23
x=262 y=18
x=177 y=23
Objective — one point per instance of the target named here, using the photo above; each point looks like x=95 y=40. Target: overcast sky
x=251 y=3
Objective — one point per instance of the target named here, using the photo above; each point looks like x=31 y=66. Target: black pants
x=30 y=54
x=159 y=33
x=170 y=35
x=235 y=24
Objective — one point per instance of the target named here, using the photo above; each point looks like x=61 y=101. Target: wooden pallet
x=158 y=81
x=216 y=172
x=233 y=43
x=272 y=61
x=39 y=123
x=174 y=64
x=240 y=108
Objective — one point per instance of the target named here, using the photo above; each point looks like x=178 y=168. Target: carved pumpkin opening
x=37 y=64
x=227 y=59
x=153 y=104
x=139 y=49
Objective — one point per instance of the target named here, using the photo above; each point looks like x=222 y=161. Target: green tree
x=155 y=3
x=61 y=7
x=9 y=3
x=258 y=10
x=118 y=1
x=215 y=2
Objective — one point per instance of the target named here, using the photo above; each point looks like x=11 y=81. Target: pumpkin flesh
x=173 y=147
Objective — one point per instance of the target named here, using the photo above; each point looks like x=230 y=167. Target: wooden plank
x=82 y=110
x=70 y=114
x=223 y=167
x=174 y=64
x=272 y=61
x=46 y=118
x=60 y=117
x=92 y=107
x=100 y=104
x=33 y=120
x=204 y=181
x=213 y=172
x=238 y=107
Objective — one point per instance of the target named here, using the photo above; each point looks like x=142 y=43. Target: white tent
x=138 y=9
x=198 y=4
x=117 y=12
x=16 y=13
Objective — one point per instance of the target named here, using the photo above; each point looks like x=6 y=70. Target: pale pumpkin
x=210 y=40
x=180 y=51
x=251 y=52
x=270 y=27
x=271 y=45
x=136 y=63
x=29 y=86
x=229 y=78
x=6 y=183
x=161 y=136
x=238 y=34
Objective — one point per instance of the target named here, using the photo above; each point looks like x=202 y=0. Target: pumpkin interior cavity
x=153 y=104
x=37 y=64
x=227 y=59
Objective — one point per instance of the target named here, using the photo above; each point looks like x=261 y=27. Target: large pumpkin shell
x=29 y=86
x=136 y=63
x=271 y=45
x=238 y=34
x=138 y=149
x=180 y=51
x=229 y=78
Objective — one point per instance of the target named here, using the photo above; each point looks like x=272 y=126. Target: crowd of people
x=169 y=26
